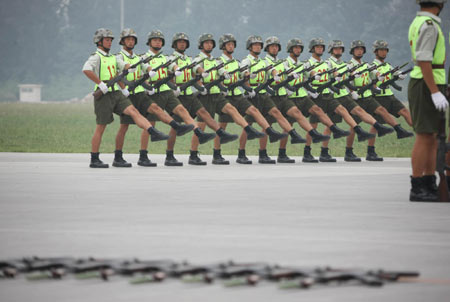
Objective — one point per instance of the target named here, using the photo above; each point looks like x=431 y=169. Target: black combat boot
x=362 y=134
x=402 y=133
x=218 y=159
x=119 y=162
x=419 y=191
x=296 y=138
x=338 y=132
x=274 y=135
x=350 y=156
x=242 y=158
x=143 y=159
x=372 y=155
x=96 y=162
x=203 y=137
x=307 y=156
x=382 y=130
x=317 y=137
x=429 y=181
x=283 y=158
x=181 y=129
x=264 y=158
x=325 y=157
x=156 y=135
x=226 y=137
x=195 y=160
x=252 y=133
x=171 y=161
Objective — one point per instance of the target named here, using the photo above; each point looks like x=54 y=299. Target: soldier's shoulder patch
x=429 y=22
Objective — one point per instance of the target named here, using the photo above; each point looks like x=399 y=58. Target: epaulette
x=429 y=22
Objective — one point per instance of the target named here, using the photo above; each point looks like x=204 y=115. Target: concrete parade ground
x=344 y=215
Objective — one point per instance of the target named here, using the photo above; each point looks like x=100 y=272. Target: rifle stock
x=440 y=159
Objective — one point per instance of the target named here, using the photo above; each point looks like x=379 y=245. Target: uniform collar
x=204 y=55
x=103 y=52
x=428 y=14
x=179 y=54
x=337 y=61
x=270 y=57
x=151 y=53
x=128 y=54
x=252 y=57
x=354 y=62
x=226 y=57
x=291 y=60
x=378 y=62
x=315 y=60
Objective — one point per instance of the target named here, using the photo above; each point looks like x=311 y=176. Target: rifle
x=241 y=83
x=440 y=159
x=267 y=83
x=392 y=81
x=121 y=77
x=350 y=78
x=372 y=83
x=285 y=83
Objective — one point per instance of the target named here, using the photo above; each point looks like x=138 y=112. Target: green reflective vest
x=161 y=73
x=363 y=80
x=213 y=75
x=186 y=76
x=279 y=67
x=235 y=76
x=260 y=76
x=319 y=69
x=301 y=92
x=382 y=70
x=131 y=77
x=343 y=91
x=108 y=69
x=439 y=50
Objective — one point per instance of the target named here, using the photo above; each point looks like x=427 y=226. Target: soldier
x=213 y=100
x=165 y=97
x=140 y=99
x=180 y=42
x=100 y=68
x=368 y=102
x=336 y=49
x=286 y=105
x=227 y=43
x=425 y=96
x=325 y=99
x=265 y=104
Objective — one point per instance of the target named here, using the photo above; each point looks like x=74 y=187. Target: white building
x=30 y=93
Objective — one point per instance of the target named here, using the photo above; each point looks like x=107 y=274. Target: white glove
x=357 y=75
x=338 y=79
x=131 y=70
x=317 y=77
x=177 y=92
x=224 y=93
x=204 y=91
x=252 y=94
x=125 y=92
x=150 y=92
x=103 y=87
x=205 y=74
x=152 y=73
x=355 y=95
x=381 y=78
x=227 y=75
x=253 y=75
x=439 y=100
x=277 y=78
x=314 y=95
x=178 y=72
x=288 y=92
x=295 y=75
x=402 y=76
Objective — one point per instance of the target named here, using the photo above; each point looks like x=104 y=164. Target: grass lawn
x=67 y=127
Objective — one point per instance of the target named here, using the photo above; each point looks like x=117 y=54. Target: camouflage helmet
x=431 y=1
x=254 y=39
x=316 y=42
x=180 y=36
x=272 y=40
x=357 y=43
x=155 y=34
x=380 y=44
x=335 y=44
x=224 y=39
x=127 y=32
x=294 y=42
x=102 y=33
x=205 y=37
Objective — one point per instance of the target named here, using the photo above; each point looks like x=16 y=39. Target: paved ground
x=341 y=214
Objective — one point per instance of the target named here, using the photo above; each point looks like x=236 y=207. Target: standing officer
x=425 y=96
x=100 y=68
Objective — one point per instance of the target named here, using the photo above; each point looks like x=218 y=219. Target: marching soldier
x=165 y=96
x=325 y=99
x=140 y=99
x=368 y=102
x=180 y=42
x=227 y=43
x=426 y=96
x=213 y=100
x=100 y=68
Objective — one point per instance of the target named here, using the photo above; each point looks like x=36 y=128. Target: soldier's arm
x=90 y=68
x=424 y=53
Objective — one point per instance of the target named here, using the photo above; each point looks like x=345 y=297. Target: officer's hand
x=295 y=75
x=152 y=73
x=317 y=77
x=227 y=75
x=402 y=76
x=131 y=70
x=204 y=91
x=150 y=92
x=314 y=95
x=277 y=78
x=439 y=100
x=205 y=74
x=355 y=95
x=178 y=72
x=253 y=75
x=125 y=92
x=103 y=87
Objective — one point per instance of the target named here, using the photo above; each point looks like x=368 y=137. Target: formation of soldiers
x=175 y=88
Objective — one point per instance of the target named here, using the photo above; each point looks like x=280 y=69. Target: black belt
x=437 y=66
